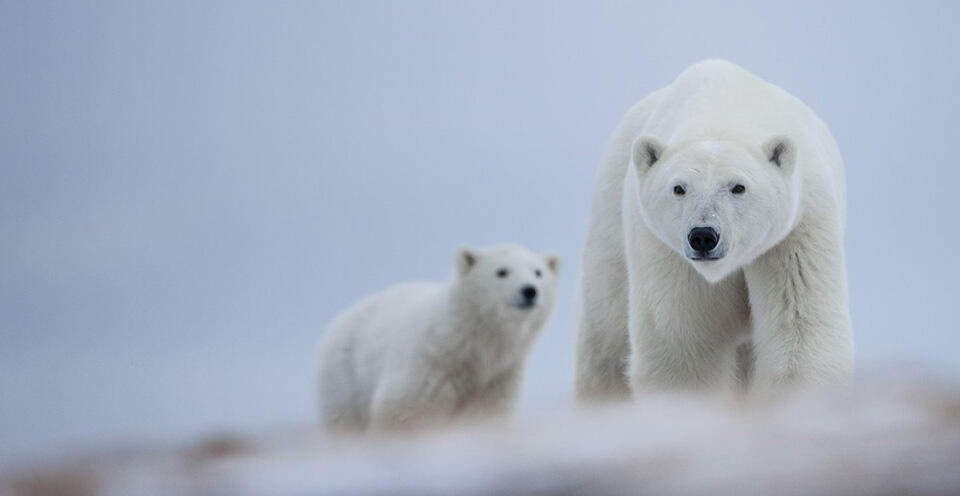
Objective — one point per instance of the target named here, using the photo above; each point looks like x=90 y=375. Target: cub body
x=426 y=352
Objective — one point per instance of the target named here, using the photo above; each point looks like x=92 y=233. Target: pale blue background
x=190 y=190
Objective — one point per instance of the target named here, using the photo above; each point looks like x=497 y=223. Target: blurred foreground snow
x=886 y=438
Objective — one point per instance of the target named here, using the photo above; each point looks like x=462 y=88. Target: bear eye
x=537 y=273
x=738 y=189
x=501 y=273
x=679 y=191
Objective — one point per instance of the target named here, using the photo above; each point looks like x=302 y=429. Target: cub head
x=720 y=204
x=508 y=280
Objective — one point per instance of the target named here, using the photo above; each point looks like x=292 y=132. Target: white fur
x=424 y=352
x=772 y=311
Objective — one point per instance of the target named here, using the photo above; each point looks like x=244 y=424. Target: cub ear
x=553 y=261
x=780 y=152
x=646 y=152
x=466 y=259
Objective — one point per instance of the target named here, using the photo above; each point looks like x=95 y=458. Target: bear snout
x=702 y=240
x=528 y=296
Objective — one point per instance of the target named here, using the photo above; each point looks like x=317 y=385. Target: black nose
x=703 y=239
x=529 y=293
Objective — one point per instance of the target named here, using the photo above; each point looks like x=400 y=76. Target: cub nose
x=529 y=293
x=703 y=239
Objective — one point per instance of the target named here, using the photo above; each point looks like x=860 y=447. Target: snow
x=887 y=437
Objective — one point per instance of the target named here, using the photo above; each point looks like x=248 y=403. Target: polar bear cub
x=714 y=255
x=425 y=352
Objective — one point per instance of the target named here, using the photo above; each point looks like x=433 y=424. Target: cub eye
x=738 y=189
x=679 y=191
x=537 y=273
x=501 y=273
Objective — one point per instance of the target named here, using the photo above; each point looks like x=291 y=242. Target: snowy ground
x=885 y=438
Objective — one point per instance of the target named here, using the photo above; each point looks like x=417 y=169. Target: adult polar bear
x=714 y=254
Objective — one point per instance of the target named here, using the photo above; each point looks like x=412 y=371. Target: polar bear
x=423 y=353
x=714 y=255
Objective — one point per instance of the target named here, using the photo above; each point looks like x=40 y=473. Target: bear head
x=508 y=280
x=718 y=203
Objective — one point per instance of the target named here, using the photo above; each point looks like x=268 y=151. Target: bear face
x=718 y=203
x=508 y=280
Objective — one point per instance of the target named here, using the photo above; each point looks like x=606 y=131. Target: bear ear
x=466 y=259
x=646 y=152
x=780 y=152
x=553 y=261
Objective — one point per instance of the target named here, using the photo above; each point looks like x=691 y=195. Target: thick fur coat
x=760 y=300
x=423 y=353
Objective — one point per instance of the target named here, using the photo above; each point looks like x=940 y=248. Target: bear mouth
x=525 y=305
x=705 y=258
x=713 y=255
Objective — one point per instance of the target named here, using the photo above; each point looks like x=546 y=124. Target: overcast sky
x=189 y=190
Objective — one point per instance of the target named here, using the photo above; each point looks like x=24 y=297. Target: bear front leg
x=602 y=340
x=666 y=365
x=412 y=402
x=798 y=299
x=499 y=397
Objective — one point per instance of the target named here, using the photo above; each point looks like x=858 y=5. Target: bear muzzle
x=703 y=244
